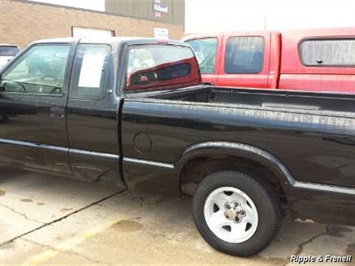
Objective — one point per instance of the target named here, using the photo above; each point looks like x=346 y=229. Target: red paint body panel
x=282 y=68
x=316 y=82
x=275 y=60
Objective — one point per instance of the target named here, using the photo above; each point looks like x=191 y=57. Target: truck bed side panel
x=316 y=147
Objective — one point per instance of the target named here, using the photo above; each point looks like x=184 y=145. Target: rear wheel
x=235 y=213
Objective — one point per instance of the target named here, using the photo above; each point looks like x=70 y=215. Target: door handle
x=57 y=116
x=57 y=112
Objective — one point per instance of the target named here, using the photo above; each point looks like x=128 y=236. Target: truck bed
x=342 y=104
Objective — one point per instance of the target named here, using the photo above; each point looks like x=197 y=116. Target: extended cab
x=134 y=112
x=320 y=60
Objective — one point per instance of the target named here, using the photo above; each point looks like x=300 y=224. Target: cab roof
x=8 y=44
x=122 y=40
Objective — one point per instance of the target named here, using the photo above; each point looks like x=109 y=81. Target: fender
x=241 y=150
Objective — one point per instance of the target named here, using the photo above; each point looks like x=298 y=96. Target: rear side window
x=9 y=50
x=153 y=67
x=91 y=67
x=244 y=55
x=205 y=50
x=335 y=52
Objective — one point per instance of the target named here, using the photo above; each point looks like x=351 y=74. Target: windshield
x=205 y=50
x=39 y=70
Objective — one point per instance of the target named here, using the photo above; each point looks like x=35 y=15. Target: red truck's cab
x=311 y=60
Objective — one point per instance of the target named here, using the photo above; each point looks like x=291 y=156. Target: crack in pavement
x=98 y=178
x=66 y=251
x=301 y=246
x=62 y=218
x=89 y=259
x=39 y=244
x=21 y=214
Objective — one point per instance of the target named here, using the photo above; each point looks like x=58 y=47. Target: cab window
x=40 y=70
x=90 y=71
x=153 y=67
x=244 y=55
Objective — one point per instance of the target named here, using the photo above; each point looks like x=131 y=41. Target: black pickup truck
x=134 y=112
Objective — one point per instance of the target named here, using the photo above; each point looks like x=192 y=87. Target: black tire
x=264 y=199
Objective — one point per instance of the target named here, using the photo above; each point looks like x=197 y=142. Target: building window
x=205 y=50
x=335 y=52
x=244 y=55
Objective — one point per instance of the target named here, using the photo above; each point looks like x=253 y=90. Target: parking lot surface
x=51 y=220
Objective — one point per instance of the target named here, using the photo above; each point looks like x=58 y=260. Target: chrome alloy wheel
x=231 y=214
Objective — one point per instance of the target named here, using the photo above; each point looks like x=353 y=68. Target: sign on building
x=161 y=34
x=159 y=8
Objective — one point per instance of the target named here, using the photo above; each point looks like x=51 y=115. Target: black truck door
x=92 y=116
x=33 y=99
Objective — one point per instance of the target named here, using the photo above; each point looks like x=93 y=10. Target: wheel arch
x=235 y=152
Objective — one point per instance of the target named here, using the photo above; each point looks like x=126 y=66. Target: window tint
x=159 y=66
x=205 y=50
x=244 y=55
x=9 y=50
x=340 y=52
x=40 y=70
x=91 y=67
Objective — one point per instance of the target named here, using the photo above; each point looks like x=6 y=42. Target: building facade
x=167 y=11
x=22 y=22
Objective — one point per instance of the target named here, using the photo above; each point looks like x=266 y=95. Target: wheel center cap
x=234 y=211
x=231 y=214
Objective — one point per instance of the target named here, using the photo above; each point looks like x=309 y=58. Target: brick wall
x=22 y=23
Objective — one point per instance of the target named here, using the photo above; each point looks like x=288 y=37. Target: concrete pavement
x=50 y=220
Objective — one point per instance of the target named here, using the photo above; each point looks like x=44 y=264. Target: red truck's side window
x=244 y=55
x=328 y=52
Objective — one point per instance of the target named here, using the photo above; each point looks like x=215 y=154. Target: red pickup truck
x=307 y=60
